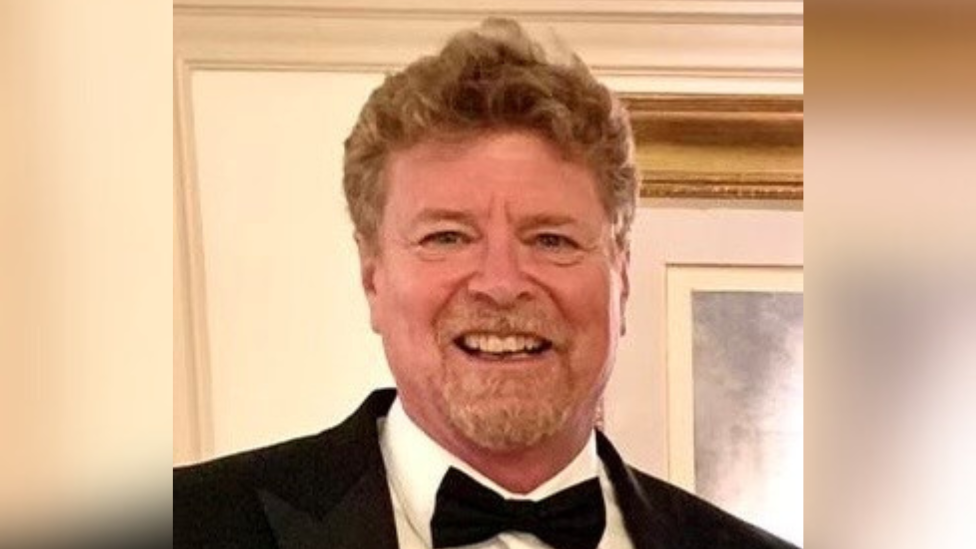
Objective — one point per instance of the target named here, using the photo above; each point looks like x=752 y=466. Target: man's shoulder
x=219 y=503
x=223 y=502
x=701 y=523
x=334 y=449
x=250 y=468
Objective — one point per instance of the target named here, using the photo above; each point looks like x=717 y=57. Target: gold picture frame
x=718 y=146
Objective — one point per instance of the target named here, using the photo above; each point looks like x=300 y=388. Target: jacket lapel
x=649 y=526
x=360 y=513
x=355 y=522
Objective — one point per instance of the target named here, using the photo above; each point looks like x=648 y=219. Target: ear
x=368 y=266
x=624 y=288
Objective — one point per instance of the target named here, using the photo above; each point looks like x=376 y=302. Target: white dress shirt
x=415 y=465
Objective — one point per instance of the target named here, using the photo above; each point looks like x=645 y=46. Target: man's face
x=496 y=288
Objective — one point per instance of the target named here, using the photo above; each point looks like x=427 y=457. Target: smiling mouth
x=502 y=347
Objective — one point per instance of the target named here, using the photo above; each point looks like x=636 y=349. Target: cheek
x=583 y=295
x=417 y=293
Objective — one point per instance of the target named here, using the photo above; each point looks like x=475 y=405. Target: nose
x=500 y=277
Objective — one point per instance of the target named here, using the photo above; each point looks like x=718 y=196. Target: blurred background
x=85 y=268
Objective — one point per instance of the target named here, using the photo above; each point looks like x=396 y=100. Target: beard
x=508 y=414
x=510 y=409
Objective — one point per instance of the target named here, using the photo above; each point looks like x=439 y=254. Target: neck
x=519 y=470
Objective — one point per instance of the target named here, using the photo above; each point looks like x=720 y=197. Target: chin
x=508 y=425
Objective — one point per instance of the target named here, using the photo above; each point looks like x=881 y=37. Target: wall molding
x=719 y=39
x=192 y=356
x=782 y=12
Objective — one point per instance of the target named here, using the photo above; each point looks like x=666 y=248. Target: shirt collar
x=416 y=464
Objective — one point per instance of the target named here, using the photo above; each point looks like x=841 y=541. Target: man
x=492 y=193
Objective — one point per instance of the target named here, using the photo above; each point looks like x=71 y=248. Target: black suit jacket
x=330 y=491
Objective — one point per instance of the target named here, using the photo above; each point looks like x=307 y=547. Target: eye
x=555 y=242
x=442 y=239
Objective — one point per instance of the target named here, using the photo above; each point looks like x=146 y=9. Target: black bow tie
x=466 y=512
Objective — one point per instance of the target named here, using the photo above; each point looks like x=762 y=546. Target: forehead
x=518 y=169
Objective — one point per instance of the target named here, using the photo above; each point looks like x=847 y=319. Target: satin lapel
x=358 y=521
x=649 y=528
x=345 y=505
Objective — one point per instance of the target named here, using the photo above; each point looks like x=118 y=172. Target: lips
x=496 y=346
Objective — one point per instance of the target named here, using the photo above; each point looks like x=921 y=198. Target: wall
x=290 y=347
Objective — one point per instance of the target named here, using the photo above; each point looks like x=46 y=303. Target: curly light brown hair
x=494 y=77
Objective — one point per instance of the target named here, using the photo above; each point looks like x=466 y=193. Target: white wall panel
x=291 y=351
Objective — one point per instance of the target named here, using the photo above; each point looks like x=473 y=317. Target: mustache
x=524 y=319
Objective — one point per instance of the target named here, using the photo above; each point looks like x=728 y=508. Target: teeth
x=488 y=343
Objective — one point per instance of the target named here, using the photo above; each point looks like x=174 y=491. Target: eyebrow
x=547 y=220
x=431 y=215
x=434 y=215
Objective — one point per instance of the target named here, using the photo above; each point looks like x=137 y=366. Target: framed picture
x=735 y=390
